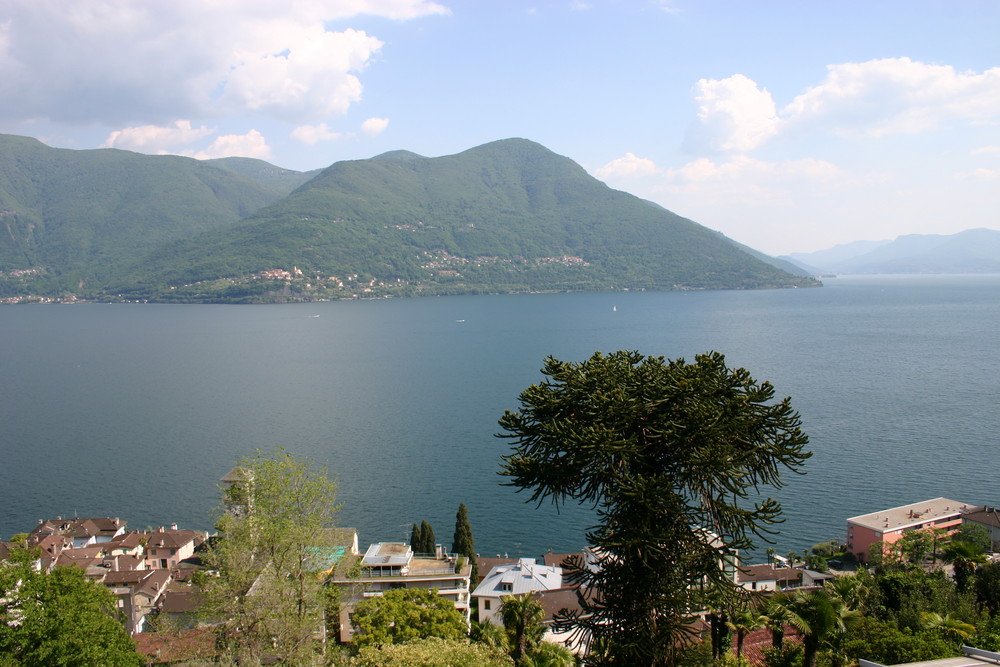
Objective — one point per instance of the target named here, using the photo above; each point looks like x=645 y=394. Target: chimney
x=438 y=551
x=160 y=529
x=173 y=526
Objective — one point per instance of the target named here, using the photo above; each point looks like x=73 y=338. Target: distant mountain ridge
x=503 y=217
x=970 y=251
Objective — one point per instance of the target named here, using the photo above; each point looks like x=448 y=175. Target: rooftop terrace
x=914 y=514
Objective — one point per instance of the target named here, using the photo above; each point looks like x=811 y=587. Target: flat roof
x=973 y=657
x=388 y=553
x=914 y=514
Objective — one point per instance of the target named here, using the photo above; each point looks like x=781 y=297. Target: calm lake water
x=137 y=410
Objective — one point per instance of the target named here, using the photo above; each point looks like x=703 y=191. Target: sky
x=787 y=126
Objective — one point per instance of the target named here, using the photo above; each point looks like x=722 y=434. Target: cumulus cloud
x=734 y=114
x=313 y=134
x=155 y=138
x=626 y=167
x=873 y=99
x=897 y=95
x=251 y=144
x=117 y=62
x=374 y=126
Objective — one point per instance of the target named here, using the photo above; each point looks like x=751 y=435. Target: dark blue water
x=137 y=410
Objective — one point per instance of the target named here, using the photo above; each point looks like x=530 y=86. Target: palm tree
x=778 y=617
x=522 y=617
x=952 y=628
x=851 y=589
x=964 y=557
x=547 y=654
x=819 y=616
x=743 y=622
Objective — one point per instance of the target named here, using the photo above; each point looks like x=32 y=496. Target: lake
x=137 y=410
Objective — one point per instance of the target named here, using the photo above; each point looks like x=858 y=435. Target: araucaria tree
x=274 y=545
x=673 y=456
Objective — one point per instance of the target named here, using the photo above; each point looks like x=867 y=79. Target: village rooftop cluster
x=150 y=572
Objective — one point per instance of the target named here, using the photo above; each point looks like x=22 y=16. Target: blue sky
x=788 y=126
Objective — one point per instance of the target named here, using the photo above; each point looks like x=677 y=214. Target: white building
x=390 y=565
x=520 y=578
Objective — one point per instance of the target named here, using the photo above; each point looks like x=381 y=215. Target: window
x=486 y=604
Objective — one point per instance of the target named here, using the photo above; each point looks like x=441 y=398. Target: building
x=971 y=657
x=520 y=578
x=988 y=518
x=770 y=578
x=165 y=549
x=388 y=566
x=889 y=526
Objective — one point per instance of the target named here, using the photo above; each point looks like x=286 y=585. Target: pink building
x=888 y=526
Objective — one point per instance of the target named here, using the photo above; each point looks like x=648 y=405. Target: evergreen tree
x=427 y=545
x=416 y=539
x=463 y=543
x=673 y=456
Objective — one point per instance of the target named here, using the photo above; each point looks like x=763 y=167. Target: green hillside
x=506 y=216
x=72 y=218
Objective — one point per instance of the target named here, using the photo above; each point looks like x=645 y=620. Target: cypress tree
x=428 y=538
x=416 y=539
x=464 y=544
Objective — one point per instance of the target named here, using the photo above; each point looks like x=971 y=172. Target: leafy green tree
x=406 y=614
x=58 y=619
x=463 y=543
x=416 y=539
x=673 y=455
x=975 y=534
x=988 y=586
x=433 y=652
x=881 y=641
x=522 y=618
x=275 y=543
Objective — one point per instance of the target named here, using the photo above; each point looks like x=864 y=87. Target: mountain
x=507 y=216
x=72 y=218
x=278 y=179
x=971 y=251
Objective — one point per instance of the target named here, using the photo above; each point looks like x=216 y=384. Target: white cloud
x=251 y=144
x=626 y=167
x=734 y=115
x=873 y=99
x=981 y=174
x=313 y=134
x=156 y=139
x=374 y=126
x=119 y=62
x=987 y=150
x=896 y=96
